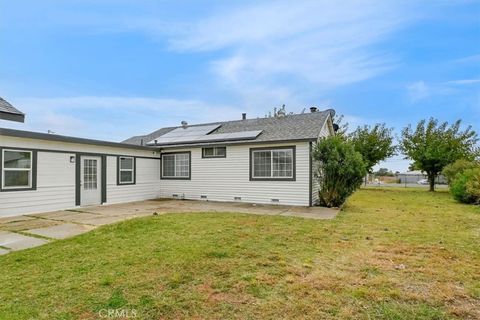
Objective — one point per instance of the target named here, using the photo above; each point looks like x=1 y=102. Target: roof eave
x=236 y=142
x=17 y=117
x=68 y=139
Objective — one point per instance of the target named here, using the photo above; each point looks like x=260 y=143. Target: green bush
x=340 y=170
x=466 y=186
x=459 y=166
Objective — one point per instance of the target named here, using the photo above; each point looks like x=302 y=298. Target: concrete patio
x=27 y=231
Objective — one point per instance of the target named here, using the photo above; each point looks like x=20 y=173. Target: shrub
x=459 y=166
x=466 y=186
x=340 y=170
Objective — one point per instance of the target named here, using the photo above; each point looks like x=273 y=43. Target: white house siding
x=223 y=179
x=56 y=176
x=147 y=182
x=55 y=188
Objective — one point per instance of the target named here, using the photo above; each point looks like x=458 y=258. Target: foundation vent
x=237 y=198
x=203 y=196
x=276 y=200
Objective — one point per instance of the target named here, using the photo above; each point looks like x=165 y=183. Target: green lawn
x=391 y=254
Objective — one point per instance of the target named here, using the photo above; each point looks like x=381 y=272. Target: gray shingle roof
x=291 y=127
x=9 y=112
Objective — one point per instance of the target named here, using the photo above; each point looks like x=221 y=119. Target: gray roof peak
x=9 y=112
x=305 y=126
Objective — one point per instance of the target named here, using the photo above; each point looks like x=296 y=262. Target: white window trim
x=30 y=170
x=215 y=152
x=272 y=177
x=163 y=176
x=120 y=170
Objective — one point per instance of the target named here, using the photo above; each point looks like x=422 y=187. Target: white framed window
x=272 y=163
x=214 y=152
x=126 y=170
x=17 y=169
x=176 y=165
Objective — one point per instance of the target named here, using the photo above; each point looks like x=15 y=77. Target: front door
x=90 y=181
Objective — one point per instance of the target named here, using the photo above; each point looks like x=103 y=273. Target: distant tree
x=432 y=146
x=384 y=172
x=340 y=170
x=374 y=144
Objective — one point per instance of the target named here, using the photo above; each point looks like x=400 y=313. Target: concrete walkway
x=27 y=231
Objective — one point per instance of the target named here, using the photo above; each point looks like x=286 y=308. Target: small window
x=126 y=170
x=214 y=152
x=176 y=165
x=17 y=169
x=272 y=164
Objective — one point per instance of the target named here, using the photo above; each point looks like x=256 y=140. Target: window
x=176 y=165
x=272 y=164
x=17 y=169
x=214 y=152
x=126 y=170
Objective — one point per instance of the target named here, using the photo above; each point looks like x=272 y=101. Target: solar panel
x=183 y=134
x=202 y=134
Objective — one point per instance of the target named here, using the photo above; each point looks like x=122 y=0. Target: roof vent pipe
x=244 y=116
x=184 y=124
x=313 y=109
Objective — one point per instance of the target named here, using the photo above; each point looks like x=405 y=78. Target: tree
x=374 y=144
x=384 y=172
x=340 y=170
x=458 y=167
x=466 y=186
x=432 y=146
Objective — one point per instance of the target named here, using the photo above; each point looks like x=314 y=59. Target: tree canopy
x=373 y=143
x=433 y=145
x=340 y=170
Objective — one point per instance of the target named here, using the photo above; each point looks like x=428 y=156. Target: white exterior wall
x=222 y=179
x=56 y=177
x=147 y=185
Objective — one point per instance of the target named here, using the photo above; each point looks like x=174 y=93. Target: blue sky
x=109 y=69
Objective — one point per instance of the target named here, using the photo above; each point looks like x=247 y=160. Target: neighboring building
x=9 y=112
x=265 y=160
x=417 y=175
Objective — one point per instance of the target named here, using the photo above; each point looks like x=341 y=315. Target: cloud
x=463 y=82
x=418 y=91
x=114 y=118
x=278 y=44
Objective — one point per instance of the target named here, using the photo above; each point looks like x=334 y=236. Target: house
x=265 y=160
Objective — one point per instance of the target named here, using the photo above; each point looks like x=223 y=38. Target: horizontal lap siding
x=56 y=177
x=222 y=179
x=55 y=188
x=147 y=181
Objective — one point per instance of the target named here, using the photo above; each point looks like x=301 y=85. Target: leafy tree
x=433 y=145
x=374 y=144
x=384 y=172
x=458 y=167
x=342 y=126
x=466 y=186
x=340 y=170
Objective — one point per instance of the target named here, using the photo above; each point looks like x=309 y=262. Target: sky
x=111 y=69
